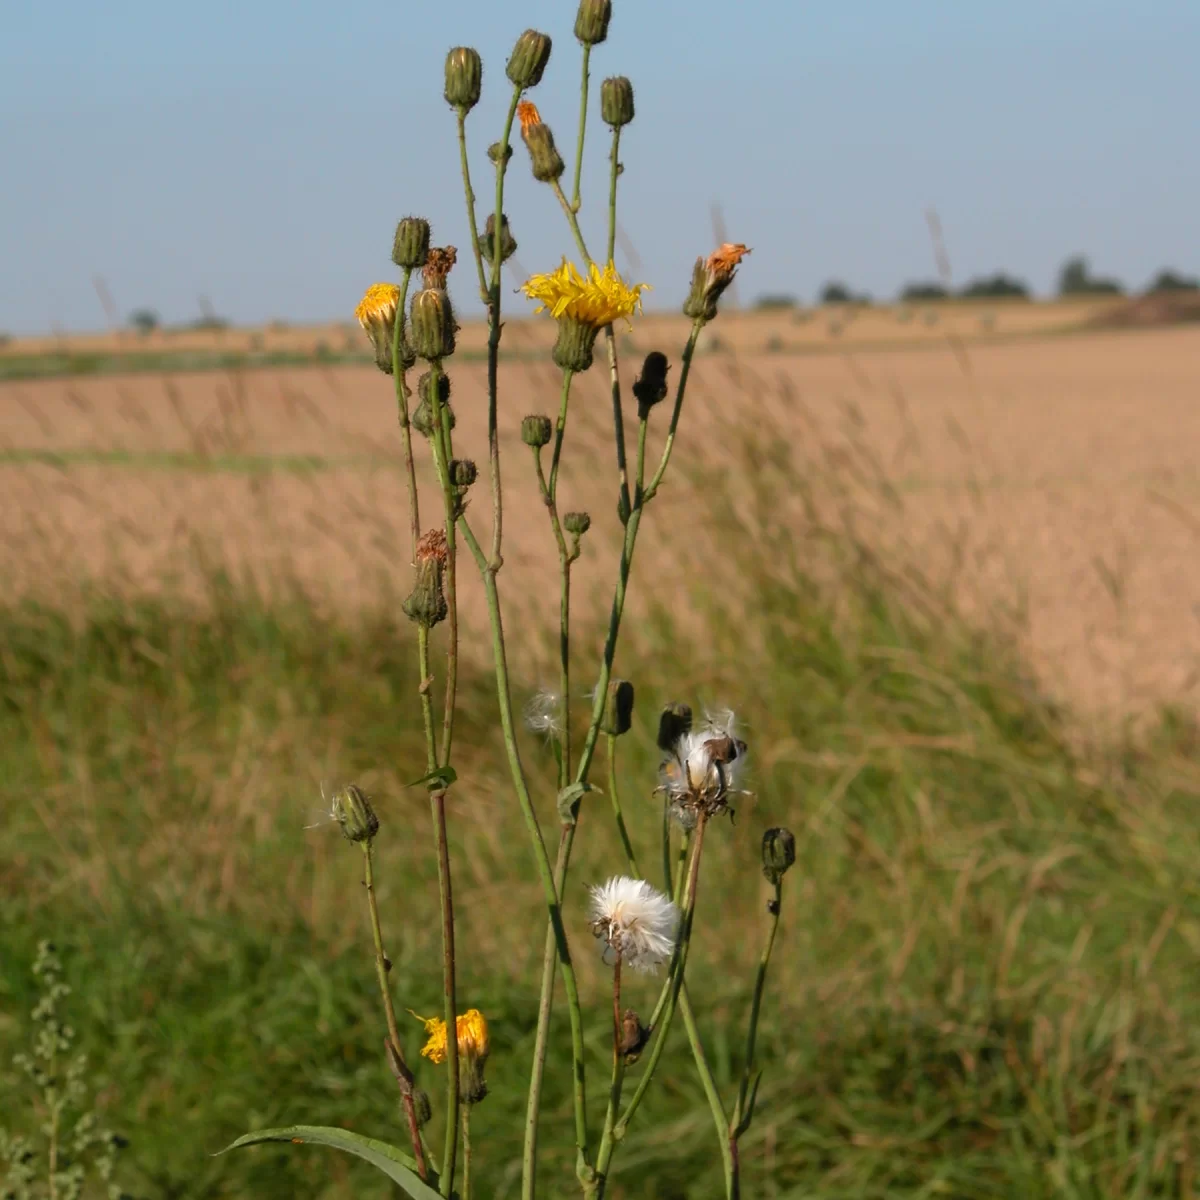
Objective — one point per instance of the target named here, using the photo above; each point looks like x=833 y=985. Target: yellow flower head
x=596 y=301
x=378 y=305
x=472 y=1036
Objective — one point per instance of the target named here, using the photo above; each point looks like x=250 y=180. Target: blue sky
x=259 y=153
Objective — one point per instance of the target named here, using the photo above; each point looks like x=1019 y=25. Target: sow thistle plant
x=638 y=925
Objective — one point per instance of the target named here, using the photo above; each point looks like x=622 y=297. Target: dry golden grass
x=1048 y=483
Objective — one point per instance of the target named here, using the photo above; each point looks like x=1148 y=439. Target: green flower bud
x=591 y=22
x=422 y=419
x=650 y=387
x=354 y=814
x=494 y=152
x=536 y=431
x=616 y=101
x=528 y=59
x=463 y=472
x=574 y=344
x=618 y=708
x=425 y=384
x=544 y=157
x=422 y=1108
x=675 y=721
x=411 y=245
x=426 y=604
x=464 y=78
x=487 y=240
x=431 y=324
x=778 y=853
x=577 y=523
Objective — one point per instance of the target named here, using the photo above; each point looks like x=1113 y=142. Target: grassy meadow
x=985 y=983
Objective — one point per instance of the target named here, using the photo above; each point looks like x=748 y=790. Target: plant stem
x=382 y=966
x=614 y=1089
x=437 y=800
x=614 y=172
x=666 y=844
x=660 y=1031
x=626 y=843
x=466 y=1137
x=564 y=565
x=442 y=449
x=583 y=103
x=725 y=1139
x=401 y=385
x=760 y=983
x=472 y=225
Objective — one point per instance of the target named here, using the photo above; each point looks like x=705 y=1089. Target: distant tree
x=775 y=300
x=914 y=293
x=144 y=320
x=1171 y=281
x=995 y=287
x=1076 y=279
x=835 y=292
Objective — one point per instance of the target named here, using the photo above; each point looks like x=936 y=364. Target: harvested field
x=1049 y=483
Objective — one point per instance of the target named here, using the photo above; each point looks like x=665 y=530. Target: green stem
x=679 y=967
x=564 y=563
x=442 y=450
x=614 y=172
x=583 y=104
x=472 y=226
x=573 y=221
x=437 y=801
x=615 y=1086
x=760 y=983
x=626 y=843
x=720 y=1119
x=466 y=1137
x=666 y=843
x=382 y=966
x=685 y=368
x=401 y=385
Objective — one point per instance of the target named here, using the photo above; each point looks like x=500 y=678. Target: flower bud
x=577 y=523
x=464 y=78
x=494 y=152
x=675 y=721
x=574 y=345
x=411 y=245
x=528 y=59
x=422 y=419
x=487 y=240
x=591 y=22
x=431 y=324
x=536 y=431
x=426 y=604
x=544 y=157
x=650 y=387
x=425 y=387
x=422 y=1109
x=354 y=814
x=778 y=853
x=710 y=277
x=634 y=1036
x=376 y=313
x=618 y=708
x=616 y=101
x=463 y=472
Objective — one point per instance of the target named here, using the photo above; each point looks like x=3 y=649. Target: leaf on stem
x=568 y=800
x=439 y=778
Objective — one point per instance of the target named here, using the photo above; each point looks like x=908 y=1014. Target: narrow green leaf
x=394 y=1163
x=568 y=801
x=440 y=777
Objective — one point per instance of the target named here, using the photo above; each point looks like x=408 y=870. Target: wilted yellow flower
x=599 y=300
x=472 y=1036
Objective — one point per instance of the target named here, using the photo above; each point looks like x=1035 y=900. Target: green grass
x=986 y=979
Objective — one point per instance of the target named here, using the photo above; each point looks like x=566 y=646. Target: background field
x=948 y=578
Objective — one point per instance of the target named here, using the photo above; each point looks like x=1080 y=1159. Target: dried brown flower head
x=438 y=265
x=432 y=547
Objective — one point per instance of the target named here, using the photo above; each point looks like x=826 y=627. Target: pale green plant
x=701 y=768
x=68 y=1146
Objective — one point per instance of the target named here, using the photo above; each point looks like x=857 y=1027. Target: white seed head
x=703 y=768
x=543 y=714
x=637 y=922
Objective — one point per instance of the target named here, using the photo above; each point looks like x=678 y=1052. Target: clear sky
x=259 y=153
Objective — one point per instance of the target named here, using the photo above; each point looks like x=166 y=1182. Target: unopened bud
x=616 y=101
x=618 y=708
x=650 y=387
x=487 y=240
x=591 y=22
x=577 y=523
x=376 y=313
x=634 y=1036
x=422 y=1109
x=354 y=814
x=425 y=387
x=494 y=152
x=464 y=78
x=536 y=430
x=463 y=472
x=411 y=245
x=422 y=419
x=426 y=604
x=778 y=853
x=528 y=59
x=431 y=324
x=675 y=721
x=544 y=157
